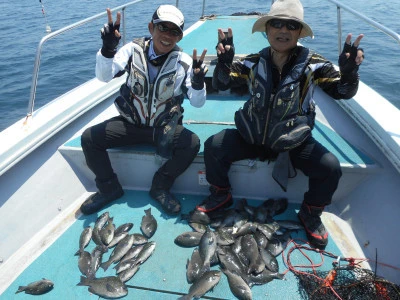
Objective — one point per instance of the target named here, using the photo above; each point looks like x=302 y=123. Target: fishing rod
x=48 y=28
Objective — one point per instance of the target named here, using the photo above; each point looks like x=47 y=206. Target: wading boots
x=316 y=232
x=218 y=198
x=108 y=191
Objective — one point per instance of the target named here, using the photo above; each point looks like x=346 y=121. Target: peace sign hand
x=351 y=56
x=225 y=47
x=110 y=35
x=199 y=70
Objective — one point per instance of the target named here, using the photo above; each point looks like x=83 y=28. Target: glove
x=110 y=40
x=347 y=59
x=198 y=78
x=227 y=56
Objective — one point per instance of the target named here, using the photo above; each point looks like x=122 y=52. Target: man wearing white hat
x=276 y=122
x=159 y=77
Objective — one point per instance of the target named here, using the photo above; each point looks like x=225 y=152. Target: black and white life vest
x=275 y=120
x=145 y=103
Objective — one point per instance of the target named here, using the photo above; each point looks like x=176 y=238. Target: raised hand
x=199 y=70
x=110 y=35
x=352 y=56
x=225 y=47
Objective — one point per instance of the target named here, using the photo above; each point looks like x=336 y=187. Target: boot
x=108 y=192
x=160 y=192
x=218 y=199
x=316 y=232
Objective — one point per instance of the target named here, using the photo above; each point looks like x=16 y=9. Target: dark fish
x=193 y=266
x=117 y=238
x=127 y=264
x=271 y=263
x=123 y=228
x=207 y=247
x=278 y=243
x=139 y=239
x=202 y=285
x=106 y=287
x=84 y=263
x=146 y=252
x=229 y=260
x=98 y=225
x=290 y=224
x=250 y=252
x=188 y=239
x=39 y=287
x=97 y=257
x=238 y=286
x=119 y=251
x=246 y=228
x=266 y=230
x=196 y=216
x=84 y=239
x=262 y=278
x=132 y=253
x=198 y=227
x=128 y=273
x=261 y=239
x=224 y=236
x=107 y=232
x=148 y=224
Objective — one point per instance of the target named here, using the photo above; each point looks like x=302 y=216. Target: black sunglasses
x=164 y=28
x=279 y=23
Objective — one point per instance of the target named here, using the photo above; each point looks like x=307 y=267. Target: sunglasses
x=278 y=24
x=163 y=28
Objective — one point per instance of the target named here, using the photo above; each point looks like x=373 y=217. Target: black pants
x=117 y=132
x=313 y=159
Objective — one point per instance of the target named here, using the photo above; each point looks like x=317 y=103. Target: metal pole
x=339 y=20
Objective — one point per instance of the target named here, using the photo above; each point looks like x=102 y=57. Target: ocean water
x=69 y=60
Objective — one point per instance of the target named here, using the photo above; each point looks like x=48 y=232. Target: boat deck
x=163 y=275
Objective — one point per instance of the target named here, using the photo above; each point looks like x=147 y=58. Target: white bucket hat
x=287 y=10
x=169 y=13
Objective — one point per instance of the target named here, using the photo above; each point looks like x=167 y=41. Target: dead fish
x=266 y=230
x=84 y=263
x=202 y=285
x=207 y=247
x=271 y=263
x=107 y=232
x=250 y=252
x=146 y=252
x=84 y=239
x=196 y=216
x=97 y=257
x=188 y=239
x=262 y=278
x=193 y=266
x=39 y=287
x=246 y=228
x=117 y=238
x=98 y=225
x=238 y=286
x=107 y=287
x=198 y=227
x=229 y=260
x=139 y=239
x=128 y=273
x=148 y=224
x=119 y=251
x=261 y=239
x=123 y=228
x=278 y=243
x=132 y=253
x=224 y=236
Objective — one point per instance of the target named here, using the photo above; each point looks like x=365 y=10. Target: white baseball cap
x=169 y=13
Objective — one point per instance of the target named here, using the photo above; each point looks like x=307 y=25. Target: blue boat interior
x=163 y=275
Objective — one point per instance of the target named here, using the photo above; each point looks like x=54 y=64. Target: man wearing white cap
x=159 y=77
x=276 y=122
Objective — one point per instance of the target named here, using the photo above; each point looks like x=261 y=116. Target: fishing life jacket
x=144 y=103
x=275 y=120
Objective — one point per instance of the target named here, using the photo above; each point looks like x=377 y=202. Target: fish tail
x=77 y=253
x=84 y=281
x=21 y=288
x=106 y=264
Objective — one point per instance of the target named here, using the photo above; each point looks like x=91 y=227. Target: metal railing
x=378 y=26
x=61 y=31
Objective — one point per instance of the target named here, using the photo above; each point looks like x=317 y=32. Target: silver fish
x=238 y=286
x=132 y=253
x=146 y=252
x=207 y=247
x=148 y=224
x=188 y=239
x=139 y=239
x=98 y=225
x=39 y=287
x=123 y=228
x=107 y=287
x=271 y=263
x=97 y=257
x=117 y=238
x=202 y=285
x=119 y=251
x=246 y=228
x=84 y=239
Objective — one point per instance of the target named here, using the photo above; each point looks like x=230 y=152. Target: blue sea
x=69 y=60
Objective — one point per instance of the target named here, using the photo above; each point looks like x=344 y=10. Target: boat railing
x=61 y=31
x=352 y=11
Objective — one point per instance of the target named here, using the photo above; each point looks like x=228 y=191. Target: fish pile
x=244 y=241
x=129 y=252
